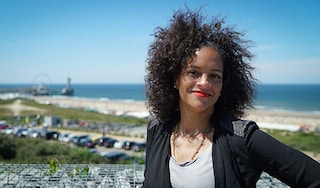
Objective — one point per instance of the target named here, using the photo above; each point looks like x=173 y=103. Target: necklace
x=203 y=137
x=201 y=144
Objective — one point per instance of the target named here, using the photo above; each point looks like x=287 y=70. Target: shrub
x=8 y=147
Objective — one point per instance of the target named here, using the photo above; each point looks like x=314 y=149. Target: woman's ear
x=176 y=84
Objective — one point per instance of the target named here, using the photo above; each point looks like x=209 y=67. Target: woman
x=198 y=87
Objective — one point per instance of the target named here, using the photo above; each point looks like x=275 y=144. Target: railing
x=85 y=175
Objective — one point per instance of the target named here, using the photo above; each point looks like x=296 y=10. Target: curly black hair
x=172 y=49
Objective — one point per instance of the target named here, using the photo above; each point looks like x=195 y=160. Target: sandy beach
x=285 y=120
x=117 y=107
x=264 y=118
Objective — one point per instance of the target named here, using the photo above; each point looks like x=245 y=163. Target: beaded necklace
x=203 y=137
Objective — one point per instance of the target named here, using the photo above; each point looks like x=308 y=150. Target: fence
x=85 y=175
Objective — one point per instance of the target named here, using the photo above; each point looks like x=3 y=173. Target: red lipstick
x=201 y=94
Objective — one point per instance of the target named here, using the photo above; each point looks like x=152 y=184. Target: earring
x=174 y=86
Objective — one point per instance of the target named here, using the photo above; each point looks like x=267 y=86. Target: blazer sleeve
x=157 y=160
x=283 y=162
x=150 y=134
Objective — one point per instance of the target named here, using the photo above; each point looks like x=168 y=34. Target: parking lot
x=107 y=145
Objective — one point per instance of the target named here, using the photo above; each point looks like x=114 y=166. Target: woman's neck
x=194 y=123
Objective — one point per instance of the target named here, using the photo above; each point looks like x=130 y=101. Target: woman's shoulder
x=155 y=126
x=237 y=126
x=153 y=121
x=156 y=123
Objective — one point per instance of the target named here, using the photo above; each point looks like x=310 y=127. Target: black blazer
x=240 y=152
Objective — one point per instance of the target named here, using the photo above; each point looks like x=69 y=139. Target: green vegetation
x=67 y=113
x=299 y=140
x=5 y=113
x=39 y=151
x=6 y=102
x=54 y=163
x=80 y=114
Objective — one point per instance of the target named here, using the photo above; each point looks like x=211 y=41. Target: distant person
x=199 y=84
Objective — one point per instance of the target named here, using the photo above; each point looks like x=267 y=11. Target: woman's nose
x=203 y=80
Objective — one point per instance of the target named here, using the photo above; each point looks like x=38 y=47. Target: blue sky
x=107 y=41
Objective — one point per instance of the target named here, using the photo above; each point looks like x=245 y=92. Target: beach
x=273 y=119
x=264 y=118
x=105 y=106
x=285 y=120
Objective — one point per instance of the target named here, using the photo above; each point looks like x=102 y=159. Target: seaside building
x=52 y=121
x=68 y=90
x=41 y=90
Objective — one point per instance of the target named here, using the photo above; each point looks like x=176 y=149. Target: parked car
x=93 y=150
x=128 y=145
x=105 y=141
x=119 y=144
x=137 y=147
x=90 y=144
x=86 y=142
x=64 y=137
x=21 y=132
x=34 y=133
x=3 y=126
x=52 y=135
x=82 y=140
x=8 y=130
x=116 y=156
x=110 y=143
x=74 y=139
x=101 y=141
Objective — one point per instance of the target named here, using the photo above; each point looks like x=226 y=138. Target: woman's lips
x=201 y=94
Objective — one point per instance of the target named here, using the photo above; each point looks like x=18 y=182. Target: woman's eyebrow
x=198 y=68
x=216 y=70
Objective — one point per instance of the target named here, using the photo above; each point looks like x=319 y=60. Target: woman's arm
x=283 y=162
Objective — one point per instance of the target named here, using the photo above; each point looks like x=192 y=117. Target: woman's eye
x=215 y=77
x=193 y=73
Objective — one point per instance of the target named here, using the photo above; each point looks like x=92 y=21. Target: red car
x=3 y=126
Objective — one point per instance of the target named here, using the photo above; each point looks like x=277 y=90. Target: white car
x=119 y=144
x=64 y=137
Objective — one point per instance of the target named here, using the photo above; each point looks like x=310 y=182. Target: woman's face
x=200 y=82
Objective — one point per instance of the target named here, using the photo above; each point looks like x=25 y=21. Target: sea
x=277 y=97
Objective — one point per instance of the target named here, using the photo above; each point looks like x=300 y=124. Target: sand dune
x=265 y=118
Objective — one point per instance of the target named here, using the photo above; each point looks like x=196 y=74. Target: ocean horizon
x=275 y=97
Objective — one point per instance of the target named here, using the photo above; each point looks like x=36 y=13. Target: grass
x=299 y=140
x=39 y=151
x=68 y=113
x=6 y=102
